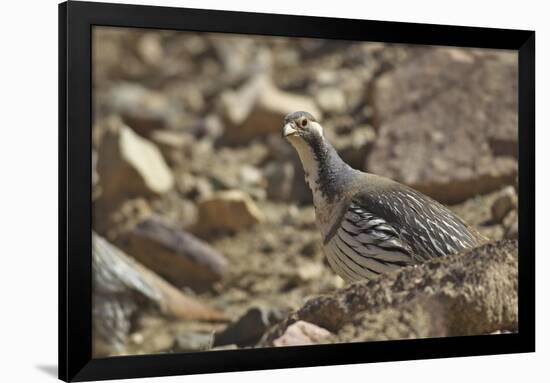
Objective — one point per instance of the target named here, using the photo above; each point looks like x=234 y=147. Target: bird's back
x=385 y=225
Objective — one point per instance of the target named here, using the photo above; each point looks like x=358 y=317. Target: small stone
x=250 y=175
x=194 y=342
x=150 y=49
x=504 y=203
x=130 y=212
x=226 y=347
x=301 y=333
x=193 y=100
x=171 y=140
x=194 y=187
x=512 y=231
x=160 y=342
x=181 y=212
x=310 y=249
x=310 y=271
x=210 y=126
x=203 y=188
x=331 y=100
x=174 y=145
x=338 y=282
x=280 y=179
x=230 y=210
x=327 y=77
x=249 y=328
x=137 y=338
x=510 y=225
x=269 y=243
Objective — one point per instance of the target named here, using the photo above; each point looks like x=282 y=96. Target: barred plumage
x=371 y=225
x=376 y=236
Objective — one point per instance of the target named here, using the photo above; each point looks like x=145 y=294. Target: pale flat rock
x=301 y=333
x=129 y=165
x=228 y=210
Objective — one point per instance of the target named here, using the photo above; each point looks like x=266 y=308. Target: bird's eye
x=304 y=122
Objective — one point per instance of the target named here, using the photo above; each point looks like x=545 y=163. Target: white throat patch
x=323 y=209
x=309 y=162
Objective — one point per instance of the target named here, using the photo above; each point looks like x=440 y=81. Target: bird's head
x=324 y=170
x=301 y=127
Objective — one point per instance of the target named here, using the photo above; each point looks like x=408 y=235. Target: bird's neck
x=326 y=174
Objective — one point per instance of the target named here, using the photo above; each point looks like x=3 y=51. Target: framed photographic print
x=249 y=191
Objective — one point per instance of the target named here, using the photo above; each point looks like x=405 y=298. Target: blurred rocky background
x=204 y=233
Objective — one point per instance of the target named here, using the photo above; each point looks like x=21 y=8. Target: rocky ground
x=204 y=232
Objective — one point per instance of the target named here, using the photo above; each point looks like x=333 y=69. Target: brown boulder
x=447 y=121
x=464 y=294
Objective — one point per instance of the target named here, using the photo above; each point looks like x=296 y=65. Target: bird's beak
x=288 y=130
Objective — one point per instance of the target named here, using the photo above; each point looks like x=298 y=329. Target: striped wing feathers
x=381 y=232
x=427 y=227
x=365 y=246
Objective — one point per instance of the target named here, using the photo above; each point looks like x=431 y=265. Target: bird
x=371 y=225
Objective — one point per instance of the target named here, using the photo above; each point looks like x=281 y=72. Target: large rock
x=447 y=123
x=231 y=210
x=129 y=165
x=123 y=287
x=465 y=294
x=258 y=108
x=178 y=256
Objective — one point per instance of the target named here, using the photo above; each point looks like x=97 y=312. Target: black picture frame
x=76 y=20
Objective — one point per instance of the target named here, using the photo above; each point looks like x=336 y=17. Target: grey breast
x=382 y=231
